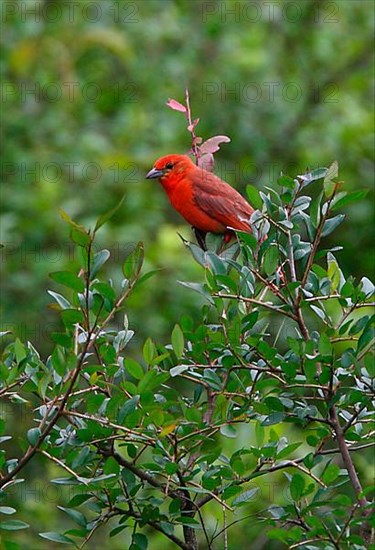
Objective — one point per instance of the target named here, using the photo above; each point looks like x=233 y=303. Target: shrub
x=273 y=385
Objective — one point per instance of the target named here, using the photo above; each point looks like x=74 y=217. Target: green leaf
x=13 y=525
x=105 y=290
x=72 y=316
x=69 y=279
x=315 y=210
x=271 y=259
x=212 y=379
x=178 y=341
x=366 y=338
x=314 y=175
x=171 y=468
x=199 y=255
x=107 y=215
x=63 y=302
x=254 y=197
x=278 y=534
x=33 y=436
x=82 y=238
x=330 y=473
x=228 y=431
x=286 y=181
x=215 y=263
x=367 y=287
x=78 y=234
x=334 y=273
x=273 y=418
x=320 y=312
x=149 y=351
x=331 y=224
x=200 y=288
x=245 y=496
x=99 y=260
x=111 y=466
x=133 y=263
x=332 y=173
x=128 y=408
x=148 y=276
x=297 y=487
x=140 y=541
x=175 y=371
x=8 y=510
x=56 y=537
x=288 y=450
x=248 y=239
x=75 y=515
x=117 y=530
x=19 y=350
x=349 y=198
x=134 y=368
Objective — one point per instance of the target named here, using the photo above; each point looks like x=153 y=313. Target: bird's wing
x=222 y=202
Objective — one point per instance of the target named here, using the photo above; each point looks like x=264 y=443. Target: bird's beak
x=154 y=173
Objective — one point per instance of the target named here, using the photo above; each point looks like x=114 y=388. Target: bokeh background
x=84 y=86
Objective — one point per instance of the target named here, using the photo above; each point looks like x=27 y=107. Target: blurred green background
x=84 y=85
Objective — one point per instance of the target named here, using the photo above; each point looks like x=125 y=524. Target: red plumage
x=206 y=202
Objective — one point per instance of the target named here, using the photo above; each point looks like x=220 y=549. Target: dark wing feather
x=221 y=201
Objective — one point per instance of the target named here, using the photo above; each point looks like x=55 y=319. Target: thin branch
x=309 y=473
x=92 y=335
x=272 y=287
x=288 y=464
x=215 y=497
x=343 y=529
x=308 y=541
x=353 y=418
x=292 y=265
x=63 y=465
x=271 y=307
x=346 y=457
x=105 y=422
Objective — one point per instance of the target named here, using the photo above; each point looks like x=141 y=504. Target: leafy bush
x=276 y=380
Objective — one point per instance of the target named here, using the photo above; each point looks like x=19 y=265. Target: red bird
x=203 y=199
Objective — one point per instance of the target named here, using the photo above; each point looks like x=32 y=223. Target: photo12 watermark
x=67 y=91
x=28 y=252
x=70 y=11
x=270 y=11
x=269 y=91
x=72 y=171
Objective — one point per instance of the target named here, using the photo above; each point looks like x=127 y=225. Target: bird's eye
x=169 y=165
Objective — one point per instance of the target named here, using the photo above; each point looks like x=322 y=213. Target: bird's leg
x=201 y=238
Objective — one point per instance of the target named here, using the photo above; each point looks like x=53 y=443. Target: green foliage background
x=133 y=57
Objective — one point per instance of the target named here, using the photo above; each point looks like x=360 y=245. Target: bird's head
x=169 y=164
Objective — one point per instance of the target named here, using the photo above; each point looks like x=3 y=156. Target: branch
x=287 y=464
x=92 y=335
x=346 y=457
x=271 y=307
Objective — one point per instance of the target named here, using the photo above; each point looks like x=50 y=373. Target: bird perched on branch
x=207 y=203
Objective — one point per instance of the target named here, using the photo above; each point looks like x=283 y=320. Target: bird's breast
x=180 y=192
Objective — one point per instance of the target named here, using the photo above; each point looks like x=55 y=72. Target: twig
x=346 y=457
x=271 y=307
x=64 y=466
